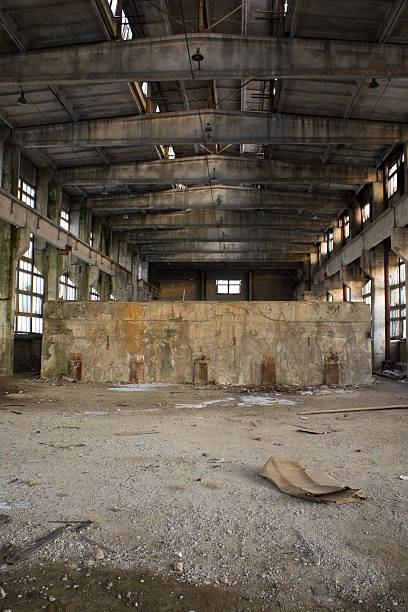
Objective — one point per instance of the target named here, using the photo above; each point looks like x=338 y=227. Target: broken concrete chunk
x=309 y=483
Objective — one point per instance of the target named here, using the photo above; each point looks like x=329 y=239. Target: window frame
x=228 y=283
x=33 y=294
x=26 y=192
x=67 y=287
x=397 y=323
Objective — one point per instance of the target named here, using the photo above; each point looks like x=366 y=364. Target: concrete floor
x=172 y=470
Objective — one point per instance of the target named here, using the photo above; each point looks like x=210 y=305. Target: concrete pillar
x=372 y=263
x=11 y=168
x=54 y=263
x=203 y=286
x=377 y=206
x=105 y=286
x=10 y=239
x=334 y=285
x=97 y=233
x=78 y=273
x=85 y=224
x=13 y=244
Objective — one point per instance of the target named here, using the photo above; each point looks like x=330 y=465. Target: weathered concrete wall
x=167 y=337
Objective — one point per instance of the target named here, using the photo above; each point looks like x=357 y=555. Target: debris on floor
x=308 y=483
x=205 y=403
x=312 y=431
x=263 y=400
x=363 y=409
x=403 y=477
x=140 y=387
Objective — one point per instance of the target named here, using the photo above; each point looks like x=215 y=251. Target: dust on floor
x=169 y=477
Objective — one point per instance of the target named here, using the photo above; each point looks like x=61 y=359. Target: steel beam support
x=223 y=169
x=233 y=127
x=20 y=215
x=225 y=56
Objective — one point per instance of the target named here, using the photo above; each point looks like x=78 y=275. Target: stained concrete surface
x=162 y=340
x=191 y=487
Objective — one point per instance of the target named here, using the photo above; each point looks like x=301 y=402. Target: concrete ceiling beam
x=220 y=198
x=214 y=234
x=211 y=218
x=234 y=127
x=225 y=56
x=218 y=168
x=244 y=257
x=228 y=247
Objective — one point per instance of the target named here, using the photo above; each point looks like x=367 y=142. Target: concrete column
x=13 y=243
x=54 y=262
x=377 y=206
x=97 y=233
x=105 y=286
x=334 y=286
x=356 y=221
x=11 y=168
x=372 y=263
x=203 y=286
x=79 y=274
x=85 y=224
x=10 y=238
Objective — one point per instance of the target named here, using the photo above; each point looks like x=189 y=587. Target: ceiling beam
x=243 y=257
x=225 y=56
x=194 y=170
x=140 y=237
x=217 y=197
x=226 y=247
x=233 y=127
x=219 y=219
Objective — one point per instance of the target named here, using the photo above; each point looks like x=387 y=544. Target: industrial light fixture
x=373 y=84
x=22 y=99
x=208 y=128
x=125 y=216
x=197 y=57
x=104 y=190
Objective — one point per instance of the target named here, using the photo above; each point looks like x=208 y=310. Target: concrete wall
x=167 y=337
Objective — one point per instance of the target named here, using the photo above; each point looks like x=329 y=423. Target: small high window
x=26 y=193
x=228 y=286
x=29 y=294
x=346 y=293
x=394 y=175
x=330 y=241
x=365 y=212
x=67 y=289
x=329 y=297
x=94 y=296
x=366 y=292
x=64 y=220
x=398 y=302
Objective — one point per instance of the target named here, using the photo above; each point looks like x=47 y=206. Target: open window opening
x=365 y=212
x=64 y=220
x=67 y=289
x=94 y=295
x=26 y=193
x=28 y=317
x=398 y=302
x=330 y=241
x=395 y=175
x=231 y=287
x=344 y=224
x=366 y=292
x=346 y=293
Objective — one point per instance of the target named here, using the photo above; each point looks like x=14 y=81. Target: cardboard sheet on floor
x=310 y=483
